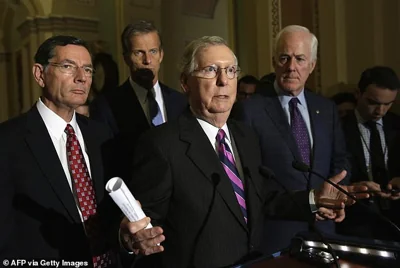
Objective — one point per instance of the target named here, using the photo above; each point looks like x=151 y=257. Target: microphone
x=269 y=174
x=300 y=166
x=215 y=181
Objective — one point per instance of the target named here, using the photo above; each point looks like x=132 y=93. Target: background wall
x=353 y=35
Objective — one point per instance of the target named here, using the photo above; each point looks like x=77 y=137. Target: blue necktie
x=299 y=131
x=155 y=112
x=228 y=162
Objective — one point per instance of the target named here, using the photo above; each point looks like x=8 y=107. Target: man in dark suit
x=374 y=166
x=198 y=177
x=294 y=124
x=53 y=167
x=142 y=101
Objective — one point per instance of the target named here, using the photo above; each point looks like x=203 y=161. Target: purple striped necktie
x=228 y=162
x=299 y=131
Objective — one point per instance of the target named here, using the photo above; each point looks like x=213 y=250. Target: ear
x=184 y=85
x=161 y=55
x=273 y=62
x=38 y=74
x=127 y=60
x=357 y=94
x=313 y=63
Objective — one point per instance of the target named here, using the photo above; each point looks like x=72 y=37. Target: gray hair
x=298 y=28
x=138 y=28
x=188 y=61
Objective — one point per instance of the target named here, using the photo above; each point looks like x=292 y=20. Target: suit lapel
x=94 y=153
x=42 y=148
x=206 y=160
x=353 y=135
x=274 y=110
x=252 y=186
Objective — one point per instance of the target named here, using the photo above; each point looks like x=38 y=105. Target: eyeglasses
x=211 y=72
x=69 y=68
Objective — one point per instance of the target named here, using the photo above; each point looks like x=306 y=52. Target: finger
x=319 y=218
x=147 y=234
x=134 y=227
x=331 y=203
x=340 y=215
x=152 y=250
x=326 y=213
x=339 y=177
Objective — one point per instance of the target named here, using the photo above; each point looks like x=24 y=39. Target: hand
x=373 y=188
x=331 y=202
x=394 y=184
x=137 y=239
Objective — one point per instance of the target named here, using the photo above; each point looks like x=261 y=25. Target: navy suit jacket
x=279 y=149
x=360 y=222
x=121 y=110
x=39 y=217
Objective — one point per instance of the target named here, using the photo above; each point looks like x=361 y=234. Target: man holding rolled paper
x=53 y=204
x=198 y=178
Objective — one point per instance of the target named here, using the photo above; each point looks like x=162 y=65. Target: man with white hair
x=295 y=124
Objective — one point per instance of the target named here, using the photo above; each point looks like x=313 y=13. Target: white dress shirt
x=211 y=132
x=365 y=138
x=141 y=94
x=55 y=126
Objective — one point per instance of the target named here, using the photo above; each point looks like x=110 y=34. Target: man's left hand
x=331 y=202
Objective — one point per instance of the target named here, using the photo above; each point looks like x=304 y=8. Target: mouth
x=222 y=97
x=79 y=91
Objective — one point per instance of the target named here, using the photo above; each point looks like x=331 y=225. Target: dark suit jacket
x=121 y=110
x=182 y=186
x=279 y=149
x=359 y=222
x=39 y=214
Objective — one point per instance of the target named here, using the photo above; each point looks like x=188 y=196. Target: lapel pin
x=317 y=111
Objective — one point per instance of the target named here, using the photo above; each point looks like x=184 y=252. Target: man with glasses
x=198 y=177
x=53 y=167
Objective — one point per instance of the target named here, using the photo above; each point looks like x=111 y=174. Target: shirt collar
x=54 y=123
x=284 y=98
x=363 y=121
x=141 y=92
x=212 y=131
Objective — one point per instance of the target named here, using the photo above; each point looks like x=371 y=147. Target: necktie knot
x=69 y=130
x=221 y=135
x=293 y=102
x=371 y=125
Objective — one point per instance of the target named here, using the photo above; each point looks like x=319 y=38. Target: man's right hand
x=373 y=188
x=139 y=240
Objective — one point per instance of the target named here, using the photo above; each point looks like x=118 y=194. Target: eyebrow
x=73 y=62
x=377 y=102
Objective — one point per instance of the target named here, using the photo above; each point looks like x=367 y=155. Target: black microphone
x=215 y=181
x=269 y=174
x=300 y=166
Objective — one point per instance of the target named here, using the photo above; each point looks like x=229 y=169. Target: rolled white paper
x=124 y=199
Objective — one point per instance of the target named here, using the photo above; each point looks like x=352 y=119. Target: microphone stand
x=302 y=167
x=268 y=173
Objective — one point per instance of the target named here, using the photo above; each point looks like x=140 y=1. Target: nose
x=380 y=109
x=291 y=64
x=147 y=59
x=80 y=75
x=222 y=78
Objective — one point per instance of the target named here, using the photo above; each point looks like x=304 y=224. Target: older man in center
x=198 y=177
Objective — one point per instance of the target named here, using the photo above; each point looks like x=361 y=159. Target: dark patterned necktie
x=228 y=162
x=377 y=157
x=85 y=195
x=299 y=131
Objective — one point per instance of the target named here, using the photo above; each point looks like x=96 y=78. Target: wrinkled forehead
x=294 y=43
x=72 y=53
x=219 y=55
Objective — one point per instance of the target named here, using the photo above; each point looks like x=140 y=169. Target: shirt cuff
x=311 y=200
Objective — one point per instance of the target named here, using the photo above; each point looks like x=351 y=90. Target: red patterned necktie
x=85 y=195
